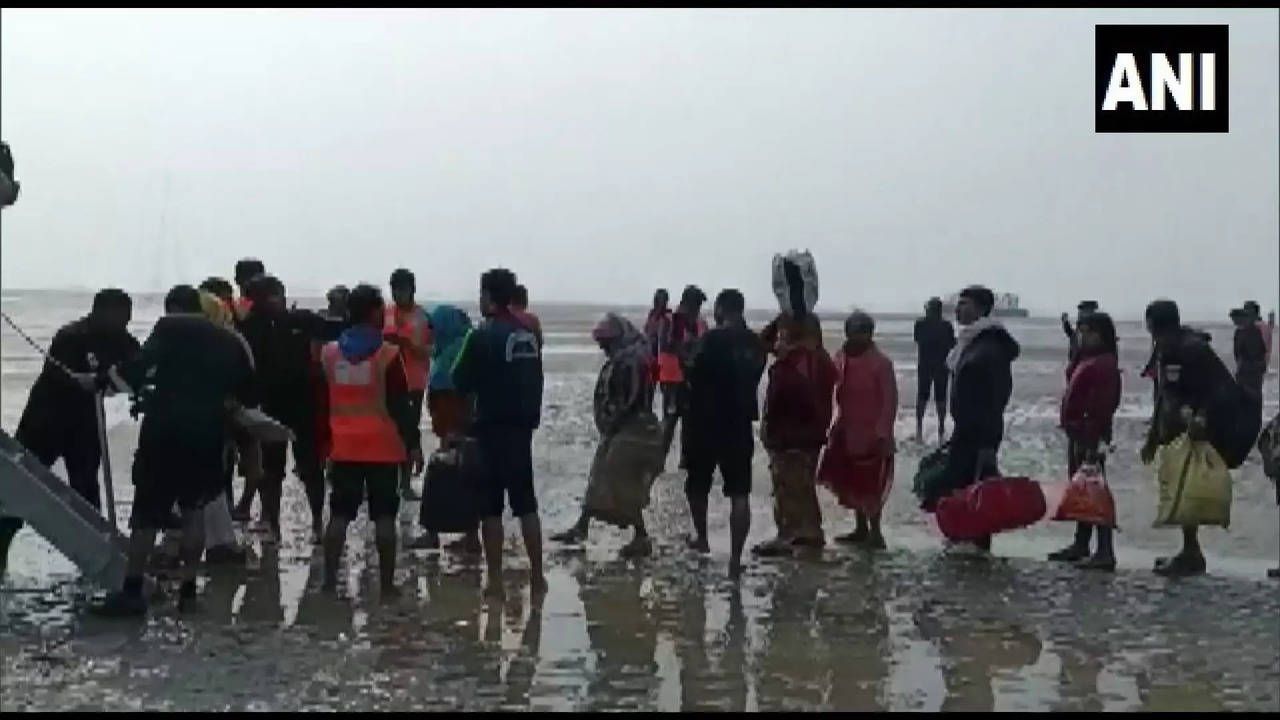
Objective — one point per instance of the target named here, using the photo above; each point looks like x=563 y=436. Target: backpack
x=1235 y=419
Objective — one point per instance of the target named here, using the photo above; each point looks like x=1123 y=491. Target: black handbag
x=451 y=498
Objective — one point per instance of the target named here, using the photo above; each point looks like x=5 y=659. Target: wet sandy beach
x=911 y=628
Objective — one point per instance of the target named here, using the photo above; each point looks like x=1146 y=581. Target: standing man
x=374 y=433
x=724 y=378
x=1250 y=354
x=60 y=419
x=981 y=366
x=687 y=327
x=335 y=315
x=189 y=373
x=1266 y=329
x=407 y=327
x=501 y=364
x=520 y=308
x=934 y=338
x=280 y=340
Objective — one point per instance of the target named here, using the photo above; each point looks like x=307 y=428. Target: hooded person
x=451 y=411
x=620 y=407
x=981 y=368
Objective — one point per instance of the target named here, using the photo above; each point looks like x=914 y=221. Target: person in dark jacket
x=934 y=338
x=189 y=374
x=797 y=415
x=724 y=373
x=335 y=316
x=1250 y=353
x=60 y=418
x=981 y=366
x=287 y=372
x=1088 y=406
x=501 y=364
x=1190 y=379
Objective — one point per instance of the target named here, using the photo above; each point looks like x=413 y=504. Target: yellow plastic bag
x=1195 y=485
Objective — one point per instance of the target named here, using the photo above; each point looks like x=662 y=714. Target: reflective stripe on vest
x=411 y=325
x=362 y=428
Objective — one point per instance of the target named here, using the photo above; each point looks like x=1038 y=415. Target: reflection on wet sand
x=842 y=630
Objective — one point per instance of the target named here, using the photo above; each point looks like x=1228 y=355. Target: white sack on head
x=808 y=271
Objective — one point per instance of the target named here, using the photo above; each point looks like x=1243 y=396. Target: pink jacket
x=866 y=400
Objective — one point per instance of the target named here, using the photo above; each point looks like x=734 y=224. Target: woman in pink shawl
x=857 y=465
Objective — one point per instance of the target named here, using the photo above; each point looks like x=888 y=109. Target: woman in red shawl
x=857 y=465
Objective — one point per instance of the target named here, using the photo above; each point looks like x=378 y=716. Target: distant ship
x=1007 y=305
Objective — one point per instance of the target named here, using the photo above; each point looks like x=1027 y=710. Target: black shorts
x=730 y=453
x=168 y=474
x=352 y=483
x=931 y=378
x=507 y=468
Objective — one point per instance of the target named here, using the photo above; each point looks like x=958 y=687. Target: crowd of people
x=350 y=383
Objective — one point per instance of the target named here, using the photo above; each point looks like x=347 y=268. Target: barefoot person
x=622 y=390
x=934 y=338
x=373 y=432
x=407 y=327
x=724 y=377
x=797 y=413
x=1088 y=406
x=857 y=465
x=501 y=364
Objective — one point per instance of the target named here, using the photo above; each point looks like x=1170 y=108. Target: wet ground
x=912 y=628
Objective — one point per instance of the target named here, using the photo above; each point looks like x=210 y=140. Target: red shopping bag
x=1088 y=499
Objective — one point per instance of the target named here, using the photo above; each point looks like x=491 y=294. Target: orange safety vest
x=412 y=326
x=361 y=427
x=669 y=370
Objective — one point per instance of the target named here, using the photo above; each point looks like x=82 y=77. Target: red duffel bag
x=991 y=506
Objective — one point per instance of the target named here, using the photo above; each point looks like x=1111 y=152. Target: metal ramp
x=44 y=501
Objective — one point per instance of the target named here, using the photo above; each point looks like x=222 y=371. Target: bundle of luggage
x=795 y=282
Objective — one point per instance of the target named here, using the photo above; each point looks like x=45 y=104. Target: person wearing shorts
x=189 y=372
x=373 y=432
x=500 y=363
x=724 y=379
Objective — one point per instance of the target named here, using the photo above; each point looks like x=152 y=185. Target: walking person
x=501 y=364
x=373 y=433
x=934 y=338
x=657 y=329
x=1088 y=408
x=724 y=377
x=857 y=465
x=797 y=414
x=619 y=407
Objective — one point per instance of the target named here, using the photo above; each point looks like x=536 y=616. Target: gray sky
x=600 y=154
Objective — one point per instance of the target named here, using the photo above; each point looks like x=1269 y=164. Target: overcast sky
x=600 y=154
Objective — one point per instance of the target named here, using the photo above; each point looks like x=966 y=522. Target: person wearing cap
x=408 y=327
x=685 y=329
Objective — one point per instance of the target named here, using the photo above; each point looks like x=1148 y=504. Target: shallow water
x=912 y=628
